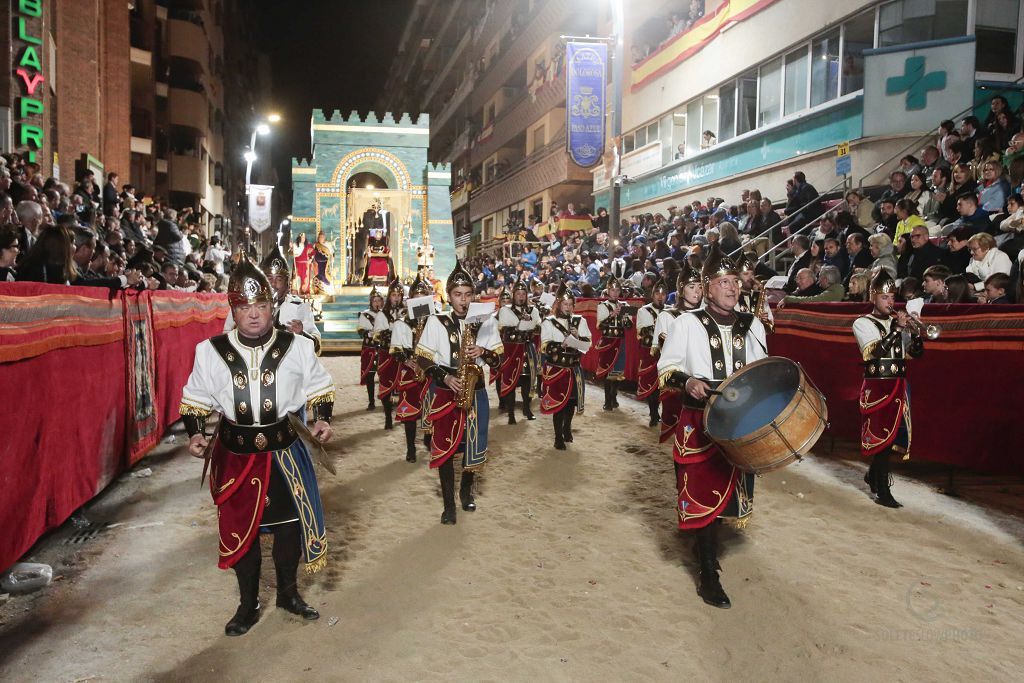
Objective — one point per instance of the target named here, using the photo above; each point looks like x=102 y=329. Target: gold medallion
x=268 y=404
x=260 y=441
x=242 y=408
x=240 y=381
x=268 y=378
x=716 y=342
x=230 y=357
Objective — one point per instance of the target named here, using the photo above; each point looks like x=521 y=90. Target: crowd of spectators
x=109 y=236
x=949 y=226
x=681 y=20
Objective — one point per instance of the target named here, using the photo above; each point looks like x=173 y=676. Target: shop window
x=995 y=30
x=825 y=68
x=693 y=129
x=858 y=35
x=727 y=111
x=914 y=21
x=746 y=117
x=709 y=121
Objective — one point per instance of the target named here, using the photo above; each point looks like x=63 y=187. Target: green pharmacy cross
x=916 y=83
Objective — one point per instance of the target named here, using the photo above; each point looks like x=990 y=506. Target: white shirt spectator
x=994 y=261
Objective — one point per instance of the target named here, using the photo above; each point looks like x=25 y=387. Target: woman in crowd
x=959 y=290
x=881 y=250
x=993 y=190
x=907 y=213
x=986 y=259
x=919 y=193
x=8 y=252
x=50 y=259
x=858 y=288
x=963 y=180
x=729 y=237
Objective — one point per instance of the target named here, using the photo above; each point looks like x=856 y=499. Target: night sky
x=326 y=54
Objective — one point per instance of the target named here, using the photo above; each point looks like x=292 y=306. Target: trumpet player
x=886 y=337
x=647 y=369
x=368 y=351
x=447 y=348
x=520 y=364
x=564 y=338
x=412 y=382
x=613 y=321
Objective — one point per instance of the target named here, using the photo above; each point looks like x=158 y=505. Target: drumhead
x=760 y=393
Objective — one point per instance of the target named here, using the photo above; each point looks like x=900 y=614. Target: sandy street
x=572 y=569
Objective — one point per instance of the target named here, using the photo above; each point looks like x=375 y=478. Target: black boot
x=370 y=405
x=883 y=481
x=466 y=491
x=510 y=405
x=287 y=552
x=446 y=472
x=527 y=413
x=426 y=441
x=615 y=394
x=410 y=441
x=567 y=423
x=559 y=436
x=388 y=421
x=710 y=589
x=652 y=405
x=607 y=395
x=247 y=571
x=869 y=477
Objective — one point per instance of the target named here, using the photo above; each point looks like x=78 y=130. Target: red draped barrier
x=91 y=380
x=963 y=390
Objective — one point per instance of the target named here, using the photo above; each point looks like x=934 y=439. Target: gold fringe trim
x=317 y=564
x=739 y=523
x=326 y=397
x=663 y=377
x=425 y=353
x=193 y=410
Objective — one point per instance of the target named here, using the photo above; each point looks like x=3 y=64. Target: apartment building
x=490 y=75
x=779 y=84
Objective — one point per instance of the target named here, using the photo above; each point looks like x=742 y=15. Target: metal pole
x=618 y=55
x=248 y=178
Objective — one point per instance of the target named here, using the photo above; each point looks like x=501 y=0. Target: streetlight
x=274 y=118
x=261 y=128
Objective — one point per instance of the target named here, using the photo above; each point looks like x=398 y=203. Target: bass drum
x=766 y=415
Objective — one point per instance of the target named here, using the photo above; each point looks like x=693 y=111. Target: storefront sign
x=28 y=67
x=586 y=78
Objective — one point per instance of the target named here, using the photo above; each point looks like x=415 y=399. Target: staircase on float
x=340 y=317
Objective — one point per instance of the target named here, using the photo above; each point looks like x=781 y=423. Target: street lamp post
x=618 y=55
x=261 y=128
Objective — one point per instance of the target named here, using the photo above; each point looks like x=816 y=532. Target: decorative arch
x=373 y=159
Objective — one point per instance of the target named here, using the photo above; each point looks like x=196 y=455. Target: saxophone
x=760 y=310
x=469 y=373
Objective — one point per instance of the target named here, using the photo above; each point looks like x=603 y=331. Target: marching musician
x=753 y=297
x=412 y=383
x=565 y=337
x=520 y=364
x=612 y=320
x=689 y=296
x=368 y=351
x=261 y=379
x=701 y=349
x=445 y=349
x=647 y=371
x=537 y=290
x=387 y=364
x=290 y=312
x=886 y=338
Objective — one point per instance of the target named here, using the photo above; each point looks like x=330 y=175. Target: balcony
x=187 y=174
x=520 y=115
x=189 y=109
x=186 y=40
x=541 y=170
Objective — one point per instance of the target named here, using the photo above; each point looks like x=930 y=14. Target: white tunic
x=402 y=336
x=509 y=318
x=366 y=319
x=300 y=377
x=646 y=317
x=868 y=335
x=292 y=308
x=435 y=346
x=550 y=333
x=661 y=325
x=687 y=348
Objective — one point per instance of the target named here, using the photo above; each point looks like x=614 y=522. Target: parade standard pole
x=618 y=55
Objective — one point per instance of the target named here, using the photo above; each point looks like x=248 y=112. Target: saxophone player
x=753 y=297
x=564 y=337
x=443 y=352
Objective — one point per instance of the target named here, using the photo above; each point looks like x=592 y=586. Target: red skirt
x=671 y=407
x=608 y=350
x=367 y=364
x=646 y=374
x=511 y=368
x=239 y=485
x=387 y=373
x=705 y=480
x=378 y=267
x=410 y=395
x=558 y=386
x=885 y=416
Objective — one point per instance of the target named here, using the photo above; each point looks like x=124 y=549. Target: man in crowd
x=924 y=254
x=800 y=246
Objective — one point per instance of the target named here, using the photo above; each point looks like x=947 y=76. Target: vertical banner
x=585 y=101
x=259 y=206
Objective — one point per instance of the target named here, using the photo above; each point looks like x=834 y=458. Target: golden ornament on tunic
x=737 y=342
x=260 y=441
x=240 y=381
x=276 y=353
x=268 y=378
x=738 y=364
x=267 y=404
x=243 y=408
x=715 y=342
x=230 y=357
x=719 y=365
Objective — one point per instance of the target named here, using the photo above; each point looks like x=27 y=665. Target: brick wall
x=115 y=91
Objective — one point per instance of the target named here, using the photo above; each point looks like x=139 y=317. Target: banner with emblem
x=259 y=206
x=585 y=101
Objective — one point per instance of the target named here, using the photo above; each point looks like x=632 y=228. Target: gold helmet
x=247 y=285
x=504 y=295
x=375 y=294
x=564 y=293
x=521 y=284
x=687 y=276
x=613 y=282
x=396 y=286
x=460 y=277
x=883 y=283
x=716 y=265
x=420 y=287
x=275 y=263
x=745 y=264
x=659 y=286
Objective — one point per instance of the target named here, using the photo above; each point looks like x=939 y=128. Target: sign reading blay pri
x=585 y=99
x=259 y=206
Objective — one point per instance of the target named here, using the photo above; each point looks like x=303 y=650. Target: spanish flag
x=679 y=48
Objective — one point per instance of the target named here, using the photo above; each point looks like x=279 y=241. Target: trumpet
x=922 y=329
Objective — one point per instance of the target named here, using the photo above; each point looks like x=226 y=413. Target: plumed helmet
x=275 y=263
x=247 y=285
x=716 y=265
x=504 y=295
x=521 y=284
x=659 y=286
x=745 y=264
x=613 y=282
x=687 y=276
x=396 y=286
x=460 y=277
